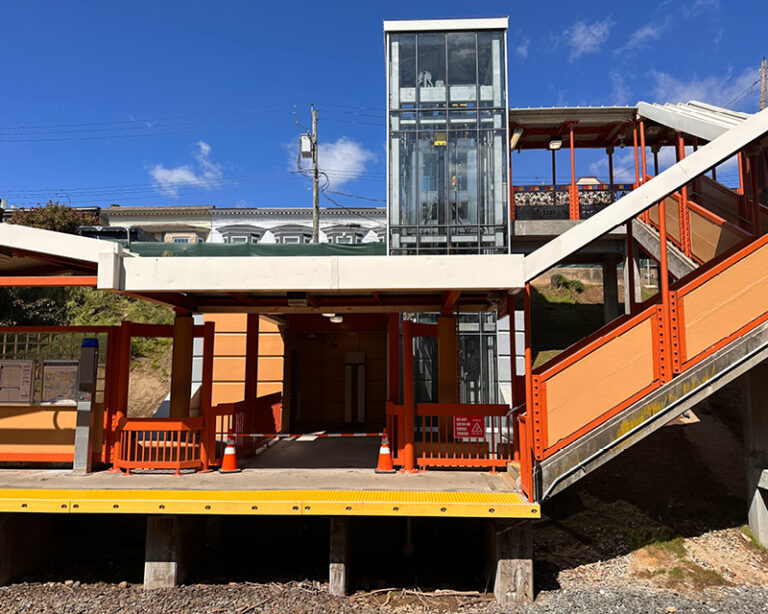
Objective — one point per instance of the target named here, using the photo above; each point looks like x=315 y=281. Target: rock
x=671 y=609
x=68 y=582
x=123 y=584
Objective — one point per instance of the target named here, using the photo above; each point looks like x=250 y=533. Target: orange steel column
x=755 y=196
x=637 y=162
x=685 y=221
x=529 y=410
x=574 y=200
x=393 y=358
x=181 y=366
x=630 y=264
x=642 y=150
x=207 y=441
x=666 y=367
x=409 y=401
x=121 y=395
x=251 y=359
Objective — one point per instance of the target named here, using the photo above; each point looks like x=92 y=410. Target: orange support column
x=407 y=452
x=685 y=220
x=207 y=439
x=574 y=199
x=393 y=358
x=121 y=394
x=637 y=161
x=526 y=452
x=251 y=359
x=666 y=366
x=757 y=230
x=181 y=365
x=642 y=151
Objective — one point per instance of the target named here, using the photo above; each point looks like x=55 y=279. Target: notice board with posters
x=17 y=379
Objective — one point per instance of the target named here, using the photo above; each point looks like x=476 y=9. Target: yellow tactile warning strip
x=269 y=502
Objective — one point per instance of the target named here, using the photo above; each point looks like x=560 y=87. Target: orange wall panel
x=228 y=322
x=598 y=382
x=229 y=345
x=725 y=303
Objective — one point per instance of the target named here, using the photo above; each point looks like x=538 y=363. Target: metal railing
x=160 y=443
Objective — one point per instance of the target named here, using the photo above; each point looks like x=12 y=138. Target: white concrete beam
x=323 y=274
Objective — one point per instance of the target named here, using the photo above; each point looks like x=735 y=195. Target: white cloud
x=693 y=9
x=342 y=161
x=584 y=38
x=203 y=173
x=724 y=90
x=642 y=36
x=521 y=50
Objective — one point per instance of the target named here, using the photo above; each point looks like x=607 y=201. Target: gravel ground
x=296 y=598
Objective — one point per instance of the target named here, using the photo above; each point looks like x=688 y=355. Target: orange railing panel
x=439 y=443
x=711 y=235
x=626 y=357
x=724 y=301
x=159 y=443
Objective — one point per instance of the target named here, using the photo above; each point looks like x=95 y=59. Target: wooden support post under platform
x=338 y=572
x=511 y=560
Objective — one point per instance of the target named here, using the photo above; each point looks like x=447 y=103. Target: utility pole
x=763 y=84
x=315 y=182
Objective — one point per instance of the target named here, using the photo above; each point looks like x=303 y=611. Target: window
x=238 y=239
x=345 y=239
x=181 y=239
x=291 y=239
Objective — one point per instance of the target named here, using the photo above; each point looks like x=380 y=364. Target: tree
x=53 y=216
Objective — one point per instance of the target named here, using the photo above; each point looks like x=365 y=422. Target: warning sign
x=469 y=427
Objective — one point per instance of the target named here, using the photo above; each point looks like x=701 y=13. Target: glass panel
x=425 y=369
x=403 y=173
x=402 y=70
x=463 y=177
x=431 y=69
x=462 y=68
x=490 y=59
x=492 y=175
x=470 y=376
x=431 y=177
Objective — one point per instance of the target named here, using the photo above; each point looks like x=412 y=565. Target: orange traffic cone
x=229 y=462
x=385 y=456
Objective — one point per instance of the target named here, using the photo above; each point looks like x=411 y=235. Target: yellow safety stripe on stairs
x=269 y=502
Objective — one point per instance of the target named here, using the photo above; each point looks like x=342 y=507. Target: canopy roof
x=602 y=127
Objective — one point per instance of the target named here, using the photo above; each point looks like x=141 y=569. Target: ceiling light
x=329 y=315
x=337 y=319
x=555 y=144
x=515 y=138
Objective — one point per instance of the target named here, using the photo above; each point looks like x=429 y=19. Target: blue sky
x=178 y=103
